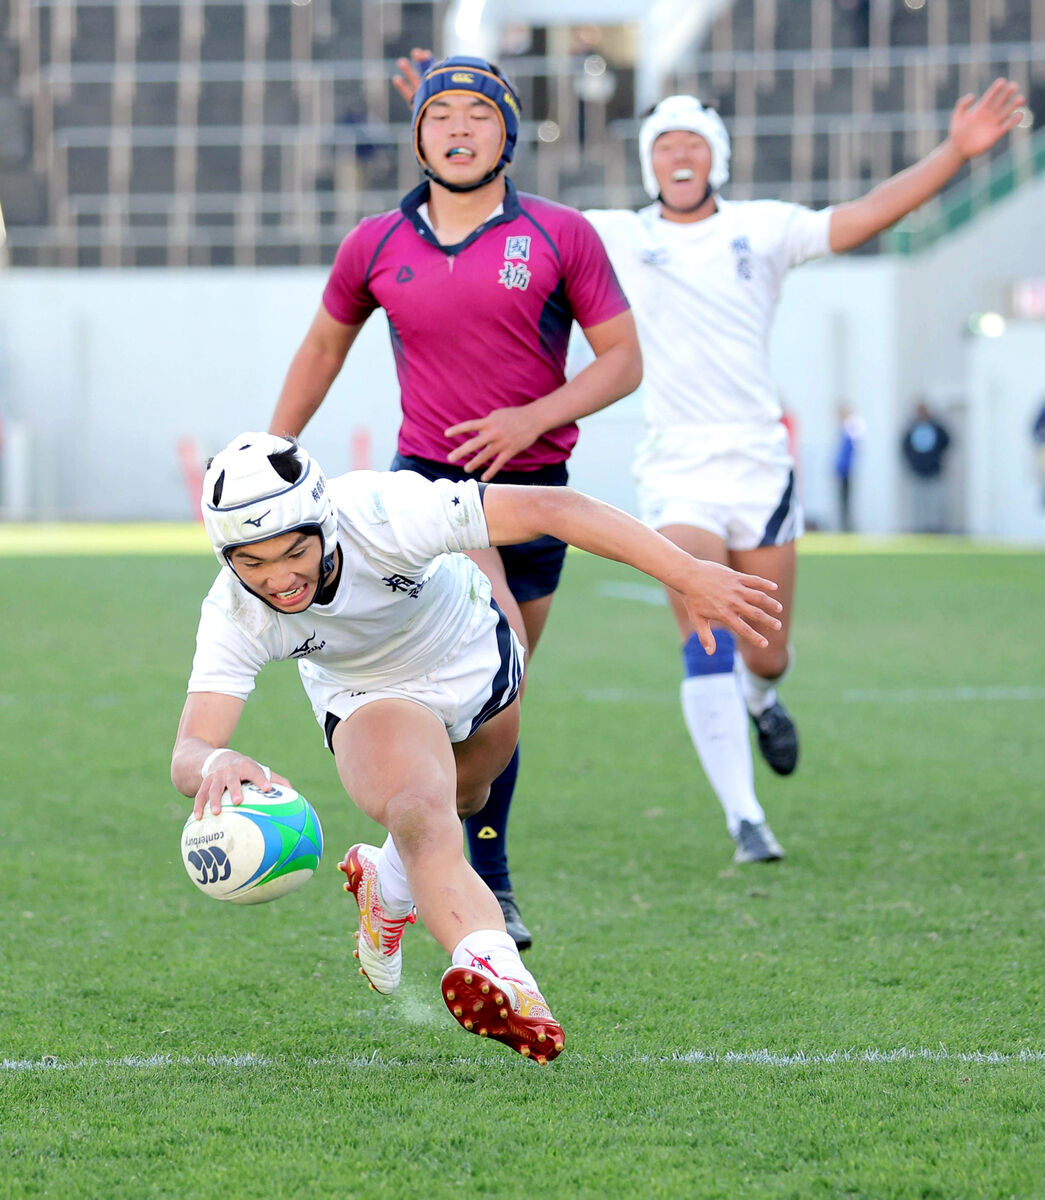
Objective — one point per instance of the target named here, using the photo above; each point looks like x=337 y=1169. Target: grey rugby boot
x=513 y=922
x=756 y=843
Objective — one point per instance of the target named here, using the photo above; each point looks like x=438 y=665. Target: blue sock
x=697 y=662
x=488 y=830
x=718 y=724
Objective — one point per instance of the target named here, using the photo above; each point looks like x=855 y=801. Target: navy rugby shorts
x=532 y=568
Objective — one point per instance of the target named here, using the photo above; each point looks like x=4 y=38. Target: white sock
x=395 y=890
x=759 y=693
x=717 y=723
x=495 y=947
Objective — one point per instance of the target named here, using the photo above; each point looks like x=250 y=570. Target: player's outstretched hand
x=743 y=603
x=229 y=774
x=496 y=439
x=411 y=69
x=977 y=124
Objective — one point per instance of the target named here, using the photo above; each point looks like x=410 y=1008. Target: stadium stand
x=250 y=133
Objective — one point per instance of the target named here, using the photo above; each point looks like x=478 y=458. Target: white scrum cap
x=684 y=112
x=253 y=491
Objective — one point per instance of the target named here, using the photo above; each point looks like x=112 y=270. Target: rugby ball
x=255 y=851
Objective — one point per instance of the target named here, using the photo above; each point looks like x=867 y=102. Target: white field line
x=923 y=695
x=669 y=696
x=752 y=1058
x=641 y=593
x=982 y=695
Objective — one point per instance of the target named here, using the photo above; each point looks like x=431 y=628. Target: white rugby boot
x=379 y=935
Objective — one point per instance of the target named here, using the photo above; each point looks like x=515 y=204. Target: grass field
x=864 y=1020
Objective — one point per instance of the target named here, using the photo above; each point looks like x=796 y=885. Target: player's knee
x=772 y=662
x=779 y=662
x=416 y=817
x=697 y=661
x=472 y=800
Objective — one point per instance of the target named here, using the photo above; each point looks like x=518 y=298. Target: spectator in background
x=850 y=431
x=924 y=447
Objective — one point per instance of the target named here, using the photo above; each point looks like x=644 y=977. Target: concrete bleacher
x=824 y=98
x=244 y=132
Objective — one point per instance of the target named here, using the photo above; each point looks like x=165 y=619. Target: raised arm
x=711 y=592
x=312 y=370
x=502 y=433
x=976 y=125
x=411 y=69
x=208 y=721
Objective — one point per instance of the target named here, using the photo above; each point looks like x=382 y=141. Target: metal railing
x=971 y=196
x=330 y=172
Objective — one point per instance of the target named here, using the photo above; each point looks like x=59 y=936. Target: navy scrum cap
x=461 y=75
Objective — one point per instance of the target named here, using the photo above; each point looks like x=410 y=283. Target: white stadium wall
x=105 y=372
x=833 y=343
x=102 y=373
x=971 y=271
x=1006 y=381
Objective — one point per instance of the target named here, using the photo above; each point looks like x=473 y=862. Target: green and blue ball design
x=256 y=851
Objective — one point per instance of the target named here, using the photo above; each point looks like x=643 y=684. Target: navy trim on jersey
x=782 y=509
x=380 y=247
x=398 y=349
x=412 y=201
x=555 y=322
x=509 y=674
x=540 y=228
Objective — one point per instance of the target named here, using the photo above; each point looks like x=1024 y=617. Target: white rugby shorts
x=747 y=497
x=473 y=684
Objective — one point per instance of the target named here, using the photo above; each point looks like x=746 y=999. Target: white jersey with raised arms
x=406 y=600
x=703 y=294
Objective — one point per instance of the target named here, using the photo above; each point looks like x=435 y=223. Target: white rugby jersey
x=405 y=602
x=703 y=295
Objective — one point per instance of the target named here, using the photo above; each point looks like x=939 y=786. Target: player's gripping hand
x=228 y=774
x=742 y=603
x=976 y=124
x=411 y=70
x=496 y=439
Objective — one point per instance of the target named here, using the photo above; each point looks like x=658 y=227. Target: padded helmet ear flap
x=261 y=486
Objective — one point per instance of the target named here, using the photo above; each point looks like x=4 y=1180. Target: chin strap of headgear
x=709 y=191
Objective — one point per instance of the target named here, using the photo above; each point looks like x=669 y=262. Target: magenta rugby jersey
x=480 y=325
